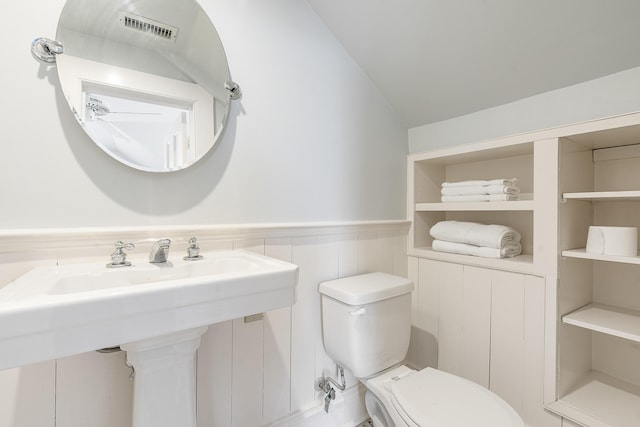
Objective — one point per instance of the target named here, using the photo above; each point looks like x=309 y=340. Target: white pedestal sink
x=164 y=392
x=156 y=313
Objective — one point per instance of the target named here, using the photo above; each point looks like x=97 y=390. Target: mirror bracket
x=234 y=90
x=45 y=50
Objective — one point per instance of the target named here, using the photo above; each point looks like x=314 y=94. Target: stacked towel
x=499 y=181
x=480 y=198
x=470 y=238
x=460 y=248
x=480 y=191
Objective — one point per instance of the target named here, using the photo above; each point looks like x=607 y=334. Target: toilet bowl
x=433 y=398
x=366 y=324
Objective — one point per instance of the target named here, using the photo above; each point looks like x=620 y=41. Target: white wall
x=311 y=139
x=604 y=97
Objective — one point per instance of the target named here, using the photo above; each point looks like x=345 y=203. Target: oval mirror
x=148 y=80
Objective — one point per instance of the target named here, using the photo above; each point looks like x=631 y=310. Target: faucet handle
x=193 y=250
x=119 y=256
x=120 y=245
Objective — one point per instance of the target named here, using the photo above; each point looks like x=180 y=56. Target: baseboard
x=347 y=410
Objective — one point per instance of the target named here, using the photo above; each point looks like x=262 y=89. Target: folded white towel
x=481 y=198
x=465 y=190
x=499 y=181
x=509 y=251
x=472 y=233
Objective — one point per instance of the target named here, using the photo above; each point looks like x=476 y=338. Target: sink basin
x=58 y=311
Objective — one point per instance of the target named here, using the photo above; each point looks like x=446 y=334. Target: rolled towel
x=508 y=251
x=480 y=198
x=499 y=181
x=479 y=189
x=472 y=233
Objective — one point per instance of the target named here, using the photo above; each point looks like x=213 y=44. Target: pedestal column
x=164 y=393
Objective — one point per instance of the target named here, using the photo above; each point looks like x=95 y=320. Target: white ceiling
x=438 y=59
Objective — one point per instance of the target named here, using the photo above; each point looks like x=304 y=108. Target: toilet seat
x=435 y=398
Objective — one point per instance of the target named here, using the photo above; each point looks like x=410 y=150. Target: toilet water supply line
x=324 y=384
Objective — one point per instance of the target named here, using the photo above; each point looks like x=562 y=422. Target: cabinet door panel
x=450 y=298
x=507 y=329
x=428 y=291
x=476 y=325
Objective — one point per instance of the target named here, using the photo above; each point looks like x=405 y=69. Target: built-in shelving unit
x=598 y=300
x=571 y=178
x=509 y=158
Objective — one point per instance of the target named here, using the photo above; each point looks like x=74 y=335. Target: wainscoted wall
x=484 y=325
x=249 y=374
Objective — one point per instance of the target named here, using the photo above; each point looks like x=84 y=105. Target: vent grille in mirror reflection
x=148 y=26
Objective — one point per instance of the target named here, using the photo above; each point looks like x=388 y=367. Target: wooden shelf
x=519 y=264
x=582 y=253
x=515 y=205
x=606 y=319
x=598 y=397
x=600 y=155
x=611 y=196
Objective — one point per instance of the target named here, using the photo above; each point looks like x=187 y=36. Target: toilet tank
x=366 y=321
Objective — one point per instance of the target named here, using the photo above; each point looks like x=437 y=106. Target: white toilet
x=366 y=323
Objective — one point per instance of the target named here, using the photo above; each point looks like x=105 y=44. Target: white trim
x=601 y=124
x=17 y=240
x=514 y=205
x=347 y=410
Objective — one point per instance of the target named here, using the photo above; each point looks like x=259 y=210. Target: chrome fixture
x=234 y=90
x=324 y=384
x=132 y=374
x=45 y=50
x=193 y=250
x=160 y=251
x=119 y=256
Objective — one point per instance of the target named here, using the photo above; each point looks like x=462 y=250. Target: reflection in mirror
x=145 y=79
x=121 y=124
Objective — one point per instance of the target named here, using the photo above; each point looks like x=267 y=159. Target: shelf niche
x=598 y=297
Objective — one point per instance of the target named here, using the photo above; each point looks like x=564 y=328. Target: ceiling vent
x=148 y=26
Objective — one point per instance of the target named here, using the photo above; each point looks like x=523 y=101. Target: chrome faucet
x=160 y=251
x=119 y=257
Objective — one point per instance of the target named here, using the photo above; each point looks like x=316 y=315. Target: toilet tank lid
x=366 y=288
